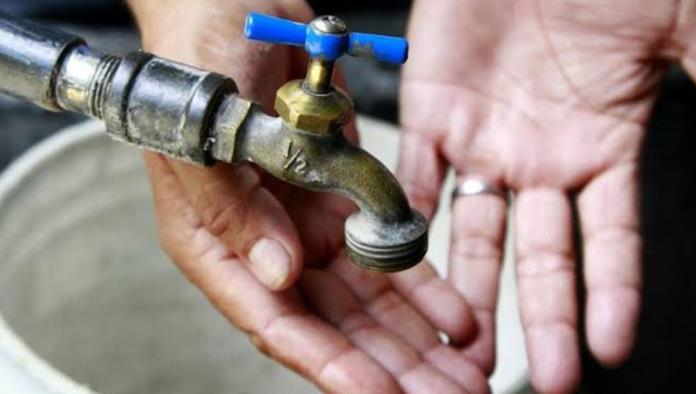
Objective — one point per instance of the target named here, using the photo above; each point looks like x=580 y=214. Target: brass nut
x=319 y=113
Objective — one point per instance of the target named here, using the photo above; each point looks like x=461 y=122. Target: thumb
x=232 y=205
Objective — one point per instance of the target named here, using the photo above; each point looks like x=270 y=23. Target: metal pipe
x=144 y=100
x=29 y=54
x=196 y=115
x=165 y=106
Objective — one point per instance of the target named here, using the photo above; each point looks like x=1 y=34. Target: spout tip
x=383 y=247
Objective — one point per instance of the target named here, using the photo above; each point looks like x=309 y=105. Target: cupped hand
x=548 y=98
x=270 y=256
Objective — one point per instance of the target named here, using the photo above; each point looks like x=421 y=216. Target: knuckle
x=476 y=247
x=216 y=217
x=259 y=343
x=218 y=214
x=385 y=303
x=543 y=264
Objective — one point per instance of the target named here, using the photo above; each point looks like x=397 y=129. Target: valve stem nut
x=308 y=111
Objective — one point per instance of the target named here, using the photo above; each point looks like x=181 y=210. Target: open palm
x=346 y=329
x=548 y=98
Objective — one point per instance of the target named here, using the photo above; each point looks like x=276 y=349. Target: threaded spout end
x=384 y=247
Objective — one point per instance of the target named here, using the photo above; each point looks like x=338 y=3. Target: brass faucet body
x=306 y=147
x=313 y=104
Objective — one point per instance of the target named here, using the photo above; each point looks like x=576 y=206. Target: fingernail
x=270 y=263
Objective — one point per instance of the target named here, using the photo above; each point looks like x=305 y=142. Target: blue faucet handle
x=326 y=37
x=274 y=30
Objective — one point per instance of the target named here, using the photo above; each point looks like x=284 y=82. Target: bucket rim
x=20 y=366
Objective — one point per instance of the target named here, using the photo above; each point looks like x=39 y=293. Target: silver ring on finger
x=477 y=186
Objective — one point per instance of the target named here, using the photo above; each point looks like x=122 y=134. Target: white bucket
x=89 y=303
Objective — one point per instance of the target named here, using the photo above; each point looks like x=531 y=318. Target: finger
x=421 y=170
x=459 y=367
x=390 y=310
x=331 y=298
x=546 y=285
x=476 y=253
x=276 y=321
x=234 y=206
x=381 y=301
x=437 y=300
x=609 y=216
x=687 y=39
x=322 y=226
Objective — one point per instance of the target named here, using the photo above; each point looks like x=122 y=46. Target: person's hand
x=270 y=256
x=548 y=98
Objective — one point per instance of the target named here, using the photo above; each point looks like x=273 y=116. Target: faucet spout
x=386 y=234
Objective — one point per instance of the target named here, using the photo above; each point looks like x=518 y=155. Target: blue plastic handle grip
x=267 y=28
x=383 y=48
x=275 y=30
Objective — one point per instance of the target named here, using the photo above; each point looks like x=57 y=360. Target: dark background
x=664 y=358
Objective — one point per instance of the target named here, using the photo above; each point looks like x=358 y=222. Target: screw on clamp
x=325 y=39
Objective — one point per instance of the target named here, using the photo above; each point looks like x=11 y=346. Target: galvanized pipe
x=144 y=100
x=29 y=54
x=79 y=83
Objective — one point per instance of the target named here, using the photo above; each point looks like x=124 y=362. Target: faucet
x=198 y=116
